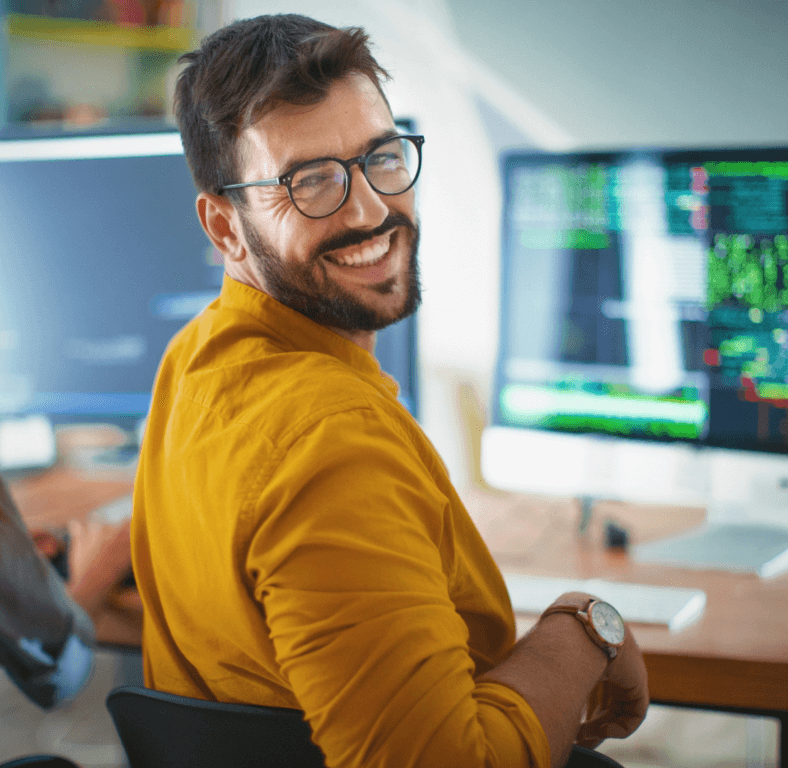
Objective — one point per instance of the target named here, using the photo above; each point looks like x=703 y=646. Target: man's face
x=357 y=269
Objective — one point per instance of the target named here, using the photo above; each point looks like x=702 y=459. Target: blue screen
x=103 y=259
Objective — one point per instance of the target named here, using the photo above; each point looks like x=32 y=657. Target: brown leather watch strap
x=567 y=608
x=575 y=610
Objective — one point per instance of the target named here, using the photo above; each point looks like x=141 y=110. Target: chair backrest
x=39 y=761
x=164 y=730
x=590 y=758
x=160 y=730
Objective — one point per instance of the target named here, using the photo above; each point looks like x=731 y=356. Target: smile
x=368 y=255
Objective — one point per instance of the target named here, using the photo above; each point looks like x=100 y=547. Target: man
x=296 y=539
x=46 y=638
x=48 y=625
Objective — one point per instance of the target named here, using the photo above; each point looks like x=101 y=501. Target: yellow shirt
x=297 y=542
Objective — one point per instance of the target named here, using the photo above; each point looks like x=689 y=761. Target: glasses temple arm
x=263 y=183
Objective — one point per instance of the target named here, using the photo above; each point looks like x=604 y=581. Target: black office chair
x=589 y=758
x=162 y=730
x=39 y=761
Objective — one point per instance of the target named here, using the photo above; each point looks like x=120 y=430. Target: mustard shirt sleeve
x=348 y=563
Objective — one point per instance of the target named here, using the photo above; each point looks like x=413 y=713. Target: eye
x=311 y=181
x=386 y=159
x=317 y=179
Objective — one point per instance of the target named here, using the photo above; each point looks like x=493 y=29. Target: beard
x=308 y=289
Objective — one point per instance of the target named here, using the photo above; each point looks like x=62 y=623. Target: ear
x=221 y=223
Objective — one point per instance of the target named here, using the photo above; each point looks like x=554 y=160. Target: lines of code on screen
x=646 y=295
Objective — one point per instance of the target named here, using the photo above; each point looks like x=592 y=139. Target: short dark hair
x=245 y=70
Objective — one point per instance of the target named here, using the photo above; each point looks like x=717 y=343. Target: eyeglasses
x=321 y=187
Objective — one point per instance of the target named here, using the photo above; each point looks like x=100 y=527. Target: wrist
x=554 y=668
x=600 y=620
x=571 y=630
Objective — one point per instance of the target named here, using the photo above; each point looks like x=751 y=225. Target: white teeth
x=368 y=255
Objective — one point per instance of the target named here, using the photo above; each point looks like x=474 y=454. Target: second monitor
x=643 y=350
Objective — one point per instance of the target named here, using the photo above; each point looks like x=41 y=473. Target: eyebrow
x=390 y=133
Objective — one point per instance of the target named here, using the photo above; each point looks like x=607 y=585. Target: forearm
x=99 y=559
x=118 y=627
x=91 y=590
x=554 y=668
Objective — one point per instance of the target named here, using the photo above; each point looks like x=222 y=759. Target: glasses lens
x=393 y=166
x=318 y=189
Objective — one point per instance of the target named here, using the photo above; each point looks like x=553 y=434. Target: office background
x=480 y=77
x=477 y=79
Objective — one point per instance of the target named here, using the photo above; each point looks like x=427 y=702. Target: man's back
x=297 y=541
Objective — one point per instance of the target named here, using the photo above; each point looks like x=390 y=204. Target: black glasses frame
x=286 y=179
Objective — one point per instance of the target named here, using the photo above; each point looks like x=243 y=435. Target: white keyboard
x=673 y=607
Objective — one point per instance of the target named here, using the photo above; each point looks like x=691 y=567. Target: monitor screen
x=645 y=296
x=103 y=259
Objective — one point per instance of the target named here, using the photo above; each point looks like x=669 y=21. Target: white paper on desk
x=673 y=607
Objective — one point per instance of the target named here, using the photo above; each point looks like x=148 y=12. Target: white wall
x=641 y=72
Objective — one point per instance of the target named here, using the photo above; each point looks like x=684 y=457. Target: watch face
x=607 y=621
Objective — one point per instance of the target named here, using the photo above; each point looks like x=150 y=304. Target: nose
x=364 y=208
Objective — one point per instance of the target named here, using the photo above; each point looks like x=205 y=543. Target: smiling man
x=342 y=254
x=297 y=541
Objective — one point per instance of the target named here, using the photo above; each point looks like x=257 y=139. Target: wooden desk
x=735 y=658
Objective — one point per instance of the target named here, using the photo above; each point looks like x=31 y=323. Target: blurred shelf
x=80 y=32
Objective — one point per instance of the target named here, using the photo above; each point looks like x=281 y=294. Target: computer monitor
x=643 y=350
x=103 y=259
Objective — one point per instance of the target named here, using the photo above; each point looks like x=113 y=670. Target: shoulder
x=281 y=393
x=234 y=382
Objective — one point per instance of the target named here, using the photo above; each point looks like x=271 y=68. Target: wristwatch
x=602 y=622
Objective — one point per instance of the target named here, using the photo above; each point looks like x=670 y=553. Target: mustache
x=353 y=237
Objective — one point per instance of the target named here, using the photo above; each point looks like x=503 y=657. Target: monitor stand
x=746 y=528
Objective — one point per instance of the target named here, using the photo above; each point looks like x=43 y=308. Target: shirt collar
x=295 y=330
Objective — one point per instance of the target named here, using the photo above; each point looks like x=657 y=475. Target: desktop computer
x=103 y=260
x=643 y=349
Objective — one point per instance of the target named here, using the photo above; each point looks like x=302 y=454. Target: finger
x=606 y=726
x=614 y=731
x=589 y=734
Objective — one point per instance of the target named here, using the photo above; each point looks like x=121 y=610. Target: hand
x=619 y=702
x=99 y=557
